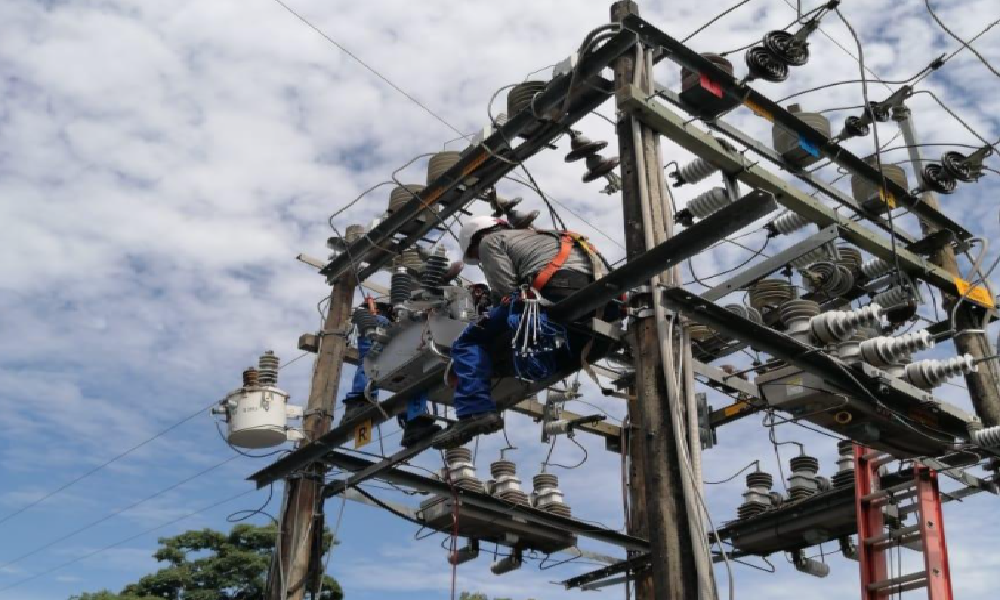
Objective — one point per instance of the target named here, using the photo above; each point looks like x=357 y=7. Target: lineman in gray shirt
x=553 y=263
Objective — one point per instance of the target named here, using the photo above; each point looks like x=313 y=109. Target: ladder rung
x=901 y=584
x=895 y=536
x=891 y=491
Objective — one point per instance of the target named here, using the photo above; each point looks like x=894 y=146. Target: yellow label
x=887 y=198
x=757 y=110
x=979 y=294
x=735 y=409
x=363 y=434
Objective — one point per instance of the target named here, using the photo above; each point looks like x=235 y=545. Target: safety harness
x=567 y=240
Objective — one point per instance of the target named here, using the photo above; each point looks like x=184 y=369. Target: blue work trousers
x=471 y=362
x=414 y=408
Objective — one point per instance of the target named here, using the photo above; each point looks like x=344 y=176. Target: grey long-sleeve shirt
x=507 y=256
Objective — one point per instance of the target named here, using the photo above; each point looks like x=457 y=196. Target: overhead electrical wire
x=965 y=45
x=123 y=541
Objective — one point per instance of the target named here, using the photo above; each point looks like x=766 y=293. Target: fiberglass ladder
x=874 y=538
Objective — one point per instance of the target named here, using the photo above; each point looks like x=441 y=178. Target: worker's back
x=510 y=256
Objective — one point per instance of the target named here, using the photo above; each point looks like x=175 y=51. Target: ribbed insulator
x=789 y=222
x=893 y=297
x=932 y=372
x=502 y=467
x=520 y=97
x=850 y=257
x=267 y=368
x=832 y=279
x=747 y=312
x=440 y=163
x=884 y=351
x=760 y=479
x=845 y=464
x=813 y=256
x=400 y=287
x=807 y=464
x=434 y=270
x=706 y=203
x=458 y=455
x=250 y=377
x=757 y=497
x=796 y=315
x=364 y=320
x=987 y=438
x=837 y=326
x=547 y=495
x=697 y=170
x=875 y=268
x=770 y=293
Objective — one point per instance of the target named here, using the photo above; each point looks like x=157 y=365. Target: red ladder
x=874 y=538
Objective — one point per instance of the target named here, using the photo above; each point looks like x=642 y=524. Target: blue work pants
x=471 y=362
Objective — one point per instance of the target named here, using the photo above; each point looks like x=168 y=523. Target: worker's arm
x=496 y=264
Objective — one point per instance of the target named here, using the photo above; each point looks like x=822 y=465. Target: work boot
x=352 y=407
x=418 y=429
x=469 y=427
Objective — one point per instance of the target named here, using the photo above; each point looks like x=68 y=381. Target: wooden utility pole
x=290 y=574
x=984 y=387
x=659 y=510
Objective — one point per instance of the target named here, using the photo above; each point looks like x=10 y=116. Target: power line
x=115 y=513
x=371 y=69
x=124 y=541
x=965 y=45
x=714 y=20
x=105 y=464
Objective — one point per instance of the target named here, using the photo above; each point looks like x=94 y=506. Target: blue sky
x=162 y=163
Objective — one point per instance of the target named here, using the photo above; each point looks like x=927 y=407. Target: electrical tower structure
x=826 y=312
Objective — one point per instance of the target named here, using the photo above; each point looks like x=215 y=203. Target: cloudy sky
x=162 y=163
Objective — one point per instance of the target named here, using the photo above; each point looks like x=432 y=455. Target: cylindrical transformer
x=867 y=194
x=257 y=416
x=440 y=163
x=789 y=144
x=519 y=98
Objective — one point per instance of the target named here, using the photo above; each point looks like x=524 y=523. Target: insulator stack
x=400 y=195
x=353 y=233
x=268 y=368
x=875 y=268
x=508 y=563
x=747 y=312
x=849 y=350
x=988 y=437
x=506 y=485
x=786 y=223
x=764 y=65
x=697 y=170
x=815 y=255
x=886 y=351
x=548 y=497
x=893 y=297
x=789 y=144
x=803 y=482
x=411 y=259
x=706 y=203
x=434 y=271
x=832 y=279
x=757 y=497
x=837 y=326
x=520 y=97
x=250 y=377
x=936 y=178
x=930 y=373
x=796 y=315
x=460 y=471
x=439 y=164
x=845 y=464
x=363 y=320
x=851 y=258
x=769 y=294
x=400 y=286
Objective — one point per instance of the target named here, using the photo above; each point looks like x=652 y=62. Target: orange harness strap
x=565 y=247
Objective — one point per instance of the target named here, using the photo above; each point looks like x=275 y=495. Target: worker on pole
x=415 y=421
x=529 y=269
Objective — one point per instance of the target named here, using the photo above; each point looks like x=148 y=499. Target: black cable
x=385 y=506
x=250 y=512
x=715 y=19
x=701 y=280
x=735 y=475
x=965 y=44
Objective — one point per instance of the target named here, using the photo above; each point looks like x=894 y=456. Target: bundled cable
x=537 y=340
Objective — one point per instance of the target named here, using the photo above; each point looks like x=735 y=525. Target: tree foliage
x=212 y=565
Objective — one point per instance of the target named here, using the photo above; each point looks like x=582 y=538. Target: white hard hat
x=470 y=228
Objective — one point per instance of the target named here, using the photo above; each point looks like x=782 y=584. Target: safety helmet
x=470 y=228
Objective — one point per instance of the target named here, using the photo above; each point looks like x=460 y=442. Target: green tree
x=211 y=565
